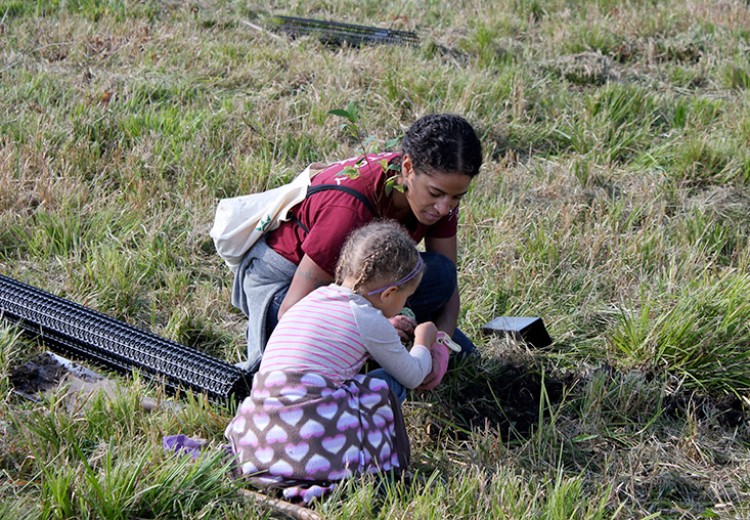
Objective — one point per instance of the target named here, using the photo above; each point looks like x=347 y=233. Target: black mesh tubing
x=80 y=332
x=337 y=32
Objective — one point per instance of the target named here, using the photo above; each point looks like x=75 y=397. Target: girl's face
x=393 y=299
x=432 y=196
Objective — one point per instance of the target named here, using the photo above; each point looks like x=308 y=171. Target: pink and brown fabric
x=303 y=434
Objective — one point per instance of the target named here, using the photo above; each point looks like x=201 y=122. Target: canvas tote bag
x=241 y=221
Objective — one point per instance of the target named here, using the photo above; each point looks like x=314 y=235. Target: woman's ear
x=407 y=170
x=407 y=166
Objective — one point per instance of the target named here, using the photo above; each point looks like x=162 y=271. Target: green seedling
x=353 y=128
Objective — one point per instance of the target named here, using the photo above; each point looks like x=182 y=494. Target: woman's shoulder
x=359 y=170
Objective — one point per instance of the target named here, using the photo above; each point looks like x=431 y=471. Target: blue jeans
x=436 y=288
x=398 y=389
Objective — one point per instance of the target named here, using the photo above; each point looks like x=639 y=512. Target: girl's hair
x=380 y=252
x=445 y=143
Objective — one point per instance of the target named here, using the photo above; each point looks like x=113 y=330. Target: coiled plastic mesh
x=83 y=333
x=343 y=33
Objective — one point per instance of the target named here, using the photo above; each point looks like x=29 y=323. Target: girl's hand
x=425 y=334
x=404 y=326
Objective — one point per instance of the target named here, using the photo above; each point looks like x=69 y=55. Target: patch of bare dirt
x=49 y=373
x=37 y=375
x=586 y=68
x=498 y=395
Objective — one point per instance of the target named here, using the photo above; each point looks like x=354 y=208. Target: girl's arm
x=308 y=277
x=448 y=317
x=410 y=368
x=384 y=346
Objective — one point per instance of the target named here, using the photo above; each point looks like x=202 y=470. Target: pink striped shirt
x=333 y=331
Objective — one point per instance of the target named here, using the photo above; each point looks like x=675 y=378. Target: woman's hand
x=404 y=326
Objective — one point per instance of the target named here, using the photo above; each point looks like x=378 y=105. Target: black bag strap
x=327 y=187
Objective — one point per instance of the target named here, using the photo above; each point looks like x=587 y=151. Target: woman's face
x=432 y=196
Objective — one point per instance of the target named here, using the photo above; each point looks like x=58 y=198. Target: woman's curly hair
x=444 y=143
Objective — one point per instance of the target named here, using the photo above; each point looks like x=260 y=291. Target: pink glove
x=440 y=355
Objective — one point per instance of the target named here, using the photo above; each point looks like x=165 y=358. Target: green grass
x=700 y=336
x=86 y=469
x=613 y=203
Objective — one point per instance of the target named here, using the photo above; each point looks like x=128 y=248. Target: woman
x=420 y=188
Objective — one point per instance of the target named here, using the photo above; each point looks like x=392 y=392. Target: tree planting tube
x=77 y=331
x=342 y=33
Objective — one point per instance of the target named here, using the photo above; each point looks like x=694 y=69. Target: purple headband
x=414 y=272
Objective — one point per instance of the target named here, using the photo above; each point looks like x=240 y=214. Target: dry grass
x=613 y=203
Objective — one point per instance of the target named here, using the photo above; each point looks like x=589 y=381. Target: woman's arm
x=445 y=246
x=308 y=277
x=448 y=317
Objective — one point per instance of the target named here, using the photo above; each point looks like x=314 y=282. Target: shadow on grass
x=511 y=397
x=496 y=394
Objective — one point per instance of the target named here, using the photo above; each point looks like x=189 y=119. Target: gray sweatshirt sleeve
x=383 y=344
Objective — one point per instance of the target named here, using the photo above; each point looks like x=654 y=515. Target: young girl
x=311 y=419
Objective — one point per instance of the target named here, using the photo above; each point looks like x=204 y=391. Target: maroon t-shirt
x=331 y=215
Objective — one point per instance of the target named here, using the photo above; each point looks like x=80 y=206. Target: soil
x=46 y=372
x=508 y=396
x=504 y=397
x=38 y=375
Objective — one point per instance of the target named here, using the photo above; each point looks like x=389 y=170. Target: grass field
x=614 y=203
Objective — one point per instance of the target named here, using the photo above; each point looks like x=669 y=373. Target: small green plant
x=10 y=350
x=352 y=127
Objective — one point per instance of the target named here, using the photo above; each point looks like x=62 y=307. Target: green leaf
x=351 y=107
x=390 y=167
x=351 y=172
x=584 y=437
x=343 y=113
x=393 y=168
x=350 y=112
x=390 y=185
x=392 y=143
